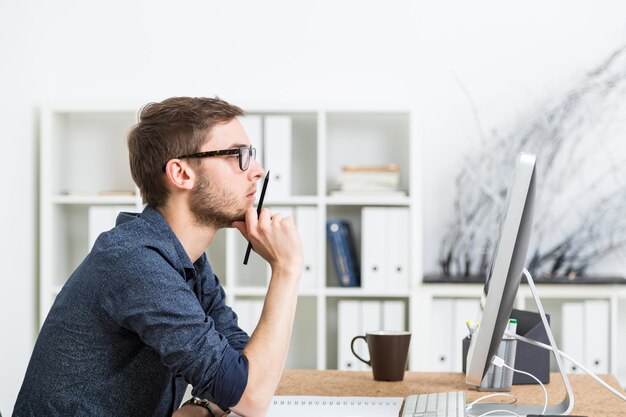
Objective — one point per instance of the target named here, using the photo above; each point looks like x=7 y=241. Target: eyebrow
x=233 y=146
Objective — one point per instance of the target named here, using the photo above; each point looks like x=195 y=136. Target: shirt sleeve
x=225 y=319
x=147 y=296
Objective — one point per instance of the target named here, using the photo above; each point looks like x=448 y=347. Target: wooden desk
x=591 y=399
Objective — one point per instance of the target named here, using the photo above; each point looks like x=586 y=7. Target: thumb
x=241 y=226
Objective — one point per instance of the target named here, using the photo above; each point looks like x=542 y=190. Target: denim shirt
x=134 y=324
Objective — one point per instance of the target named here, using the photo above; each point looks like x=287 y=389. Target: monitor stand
x=566 y=405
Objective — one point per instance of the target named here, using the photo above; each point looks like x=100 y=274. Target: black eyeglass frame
x=223 y=152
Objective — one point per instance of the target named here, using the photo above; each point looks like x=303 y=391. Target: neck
x=194 y=237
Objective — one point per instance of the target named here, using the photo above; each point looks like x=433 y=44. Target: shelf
x=591 y=280
x=94 y=199
x=261 y=291
x=248 y=291
x=296 y=200
x=372 y=200
x=581 y=291
x=359 y=292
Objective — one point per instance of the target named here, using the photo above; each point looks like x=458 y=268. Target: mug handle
x=355 y=354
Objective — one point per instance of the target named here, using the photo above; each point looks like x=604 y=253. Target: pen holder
x=531 y=359
x=501 y=378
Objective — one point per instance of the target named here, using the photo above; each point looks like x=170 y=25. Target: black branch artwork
x=579 y=138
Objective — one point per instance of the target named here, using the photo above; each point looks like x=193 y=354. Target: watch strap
x=202 y=403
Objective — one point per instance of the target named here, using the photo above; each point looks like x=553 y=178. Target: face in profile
x=214 y=205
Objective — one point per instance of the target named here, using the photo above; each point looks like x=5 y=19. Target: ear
x=179 y=174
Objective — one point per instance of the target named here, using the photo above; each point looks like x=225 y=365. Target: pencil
x=258 y=212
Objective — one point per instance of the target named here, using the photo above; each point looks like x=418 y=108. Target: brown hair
x=165 y=130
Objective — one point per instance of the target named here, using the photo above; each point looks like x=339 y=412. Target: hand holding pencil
x=273 y=236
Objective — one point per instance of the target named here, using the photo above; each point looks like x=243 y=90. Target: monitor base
x=565 y=406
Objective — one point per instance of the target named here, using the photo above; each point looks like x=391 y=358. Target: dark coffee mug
x=388 y=353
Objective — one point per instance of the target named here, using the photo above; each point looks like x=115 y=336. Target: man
x=144 y=315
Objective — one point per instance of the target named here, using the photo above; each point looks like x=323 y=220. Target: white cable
x=499 y=394
x=545 y=393
x=499 y=362
x=566 y=356
x=499 y=411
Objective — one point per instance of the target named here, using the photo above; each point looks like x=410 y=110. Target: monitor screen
x=505 y=272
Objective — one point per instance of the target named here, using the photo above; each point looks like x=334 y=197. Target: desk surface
x=591 y=399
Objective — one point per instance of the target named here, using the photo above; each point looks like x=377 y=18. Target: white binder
x=348 y=326
x=373 y=248
x=253 y=126
x=248 y=313
x=243 y=310
x=385 y=248
x=465 y=309
x=370 y=316
x=397 y=243
x=597 y=336
x=572 y=333
x=370 y=322
x=441 y=335
x=277 y=148
x=102 y=219
x=306 y=221
x=393 y=315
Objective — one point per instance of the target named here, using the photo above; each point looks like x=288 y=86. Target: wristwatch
x=202 y=403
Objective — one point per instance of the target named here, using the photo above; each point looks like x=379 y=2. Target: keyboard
x=440 y=404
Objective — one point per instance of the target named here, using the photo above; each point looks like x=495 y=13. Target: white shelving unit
x=552 y=297
x=83 y=162
x=84 y=158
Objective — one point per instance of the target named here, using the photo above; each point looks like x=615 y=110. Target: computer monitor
x=505 y=274
x=500 y=290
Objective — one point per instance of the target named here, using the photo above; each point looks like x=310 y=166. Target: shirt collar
x=152 y=216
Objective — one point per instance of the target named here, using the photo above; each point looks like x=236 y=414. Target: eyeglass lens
x=244 y=157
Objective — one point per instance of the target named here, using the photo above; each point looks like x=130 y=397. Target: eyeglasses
x=244 y=152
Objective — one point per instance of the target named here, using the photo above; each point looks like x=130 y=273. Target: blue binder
x=341 y=246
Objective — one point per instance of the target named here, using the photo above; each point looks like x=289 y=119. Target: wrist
x=194 y=401
x=290 y=269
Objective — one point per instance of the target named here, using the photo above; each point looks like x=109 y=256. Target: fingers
x=277 y=218
x=254 y=227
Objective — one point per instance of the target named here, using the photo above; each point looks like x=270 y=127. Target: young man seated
x=144 y=315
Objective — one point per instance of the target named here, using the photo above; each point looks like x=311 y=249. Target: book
x=341 y=246
x=371 y=168
x=330 y=406
x=348 y=180
x=369 y=178
x=368 y=193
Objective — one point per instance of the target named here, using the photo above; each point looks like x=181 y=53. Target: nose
x=255 y=170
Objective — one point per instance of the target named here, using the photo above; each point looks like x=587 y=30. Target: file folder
x=373 y=248
x=306 y=221
x=441 y=335
x=277 y=147
x=253 y=126
x=572 y=333
x=596 y=338
x=397 y=262
x=348 y=326
x=393 y=315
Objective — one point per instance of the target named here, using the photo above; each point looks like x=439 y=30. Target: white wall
x=317 y=53
x=502 y=60
x=322 y=52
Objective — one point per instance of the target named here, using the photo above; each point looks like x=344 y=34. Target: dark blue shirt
x=134 y=324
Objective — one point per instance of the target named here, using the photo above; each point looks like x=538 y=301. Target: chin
x=241 y=216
